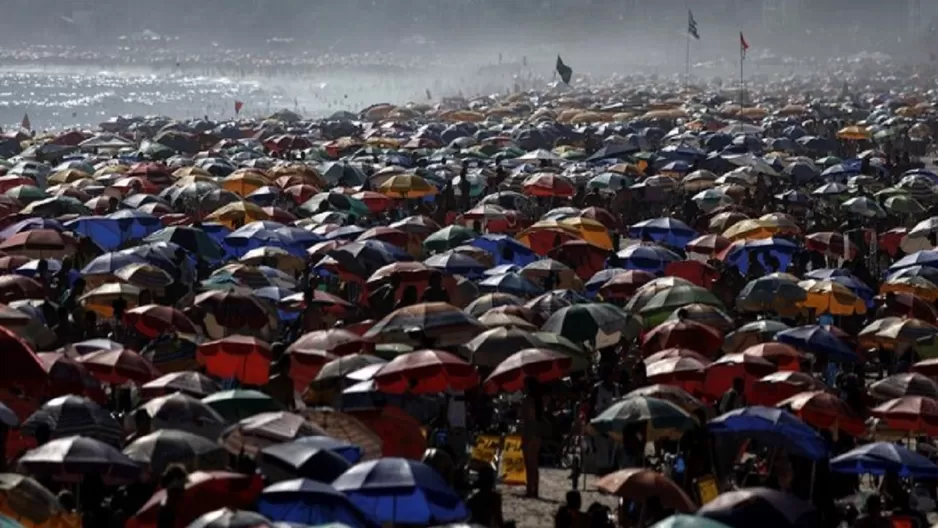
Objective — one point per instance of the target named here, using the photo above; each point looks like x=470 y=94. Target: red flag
x=25 y=124
x=743 y=45
x=238 y=106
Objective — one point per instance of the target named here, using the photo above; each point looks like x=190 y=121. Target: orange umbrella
x=786 y=357
x=722 y=372
x=119 y=366
x=824 y=411
x=426 y=372
x=399 y=432
x=244 y=358
x=639 y=484
x=544 y=365
x=915 y=414
x=305 y=365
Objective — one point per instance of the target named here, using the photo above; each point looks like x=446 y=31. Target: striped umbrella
x=542 y=364
x=152 y=320
x=74 y=415
x=441 y=323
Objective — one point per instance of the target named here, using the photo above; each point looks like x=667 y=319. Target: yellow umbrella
x=590 y=230
x=68 y=176
x=100 y=299
x=407 y=186
x=832 y=297
x=751 y=230
x=854 y=133
x=237 y=214
x=244 y=184
x=919 y=286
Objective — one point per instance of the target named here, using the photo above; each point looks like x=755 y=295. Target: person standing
x=532 y=418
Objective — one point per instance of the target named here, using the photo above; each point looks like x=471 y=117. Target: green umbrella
x=660 y=306
x=903 y=204
x=448 y=238
x=191 y=239
x=609 y=181
x=829 y=161
x=752 y=334
x=661 y=418
x=599 y=324
x=335 y=201
x=770 y=294
x=25 y=193
x=889 y=192
x=56 y=206
x=238 y=404
x=863 y=206
x=688 y=521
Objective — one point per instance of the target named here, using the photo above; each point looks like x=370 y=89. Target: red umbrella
x=544 y=365
x=928 y=367
x=22 y=368
x=38 y=243
x=336 y=341
x=829 y=243
x=300 y=193
x=390 y=235
x=233 y=309
x=683 y=333
x=708 y=246
x=277 y=214
x=376 y=202
x=152 y=320
x=400 y=433
x=67 y=376
x=669 y=353
x=722 y=372
x=119 y=366
x=241 y=357
x=421 y=226
x=602 y=216
x=914 y=414
x=323 y=300
x=824 y=411
x=305 y=365
x=778 y=386
x=905 y=304
x=699 y=273
x=891 y=239
x=8 y=263
x=585 y=258
x=204 y=492
x=426 y=372
x=548 y=184
x=155 y=173
x=18 y=287
x=623 y=285
x=684 y=372
x=786 y=357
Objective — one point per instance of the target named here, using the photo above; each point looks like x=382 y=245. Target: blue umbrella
x=664 y=230
x=310 y=503
x=928 y=257
x=915 y=271
x=105 y=232
x=646 y=257
x=400 y=491
x=136 y=224
x=772 y=427
x=255 y=235
x=160 y=254
x=456 y=263
x=507 y=250
x=781 y=249
x=216 y=231
x=292 y=460
x=108 y=263
x=501 y=270
x=880 y=458
x=512 y=283
x=298 y=236
x=599 y=278
x=264 y=196
x=346 y=450
x=31 y=224
x=817 y=340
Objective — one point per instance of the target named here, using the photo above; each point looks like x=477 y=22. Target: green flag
x=565 y=71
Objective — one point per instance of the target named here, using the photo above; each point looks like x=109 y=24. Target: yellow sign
x=707 y=488
x=511 y=469
x=486 y=448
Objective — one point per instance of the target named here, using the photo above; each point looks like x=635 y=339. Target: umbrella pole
x=813 y=476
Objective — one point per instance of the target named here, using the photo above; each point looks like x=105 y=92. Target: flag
x=565 y=71
x=25 y=124
x=692 y=25
x=238 y=106
x=743 y=45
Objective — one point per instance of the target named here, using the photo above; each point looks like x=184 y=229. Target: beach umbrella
x=511 y=283
x=158 y=450
x=779 y=249
x=785 y=357
x=311 y=503
x=119 y=366
x=657 y=308
x=918 y=286
x=624 y=284
x=240 y=357
x=771 y=294
x=901 y=385
x=234 y=309
x=492 y=300
x=338 y=369
x=152 y=320
x=639 y=485
x=191 y=383
x=183 y=412
x=238 y=404
x=74 y=415
x=863 y=206
x=426 y=372
x=880 y=458
x=541 y=364
x=817 y=340
x=455 y=263
x=824 y=410
x=297 y=459
x=205 y=492
x=39 y=244
x=101 y=299
x=596 y=323
x=256 y=432
x=778 y=386
x=684 y=372
x=659 y=418
x=193 y=240
x=688 y=521
x=667 y=231
x=727 y=368
x=400 y=491
x=771 y=427
x=72 y=458
x=442 y=323
x=407 y=186
x=27 y=502
x=548 y=184
x=344 y=427
x=752 y=334
x=682 y=334
x=833 y=298
x=448 y=238
x=913 y=414
x=762 y=506
x=337 y=341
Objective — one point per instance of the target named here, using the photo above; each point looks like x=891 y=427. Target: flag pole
x=742 y=89
x=686 y=60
